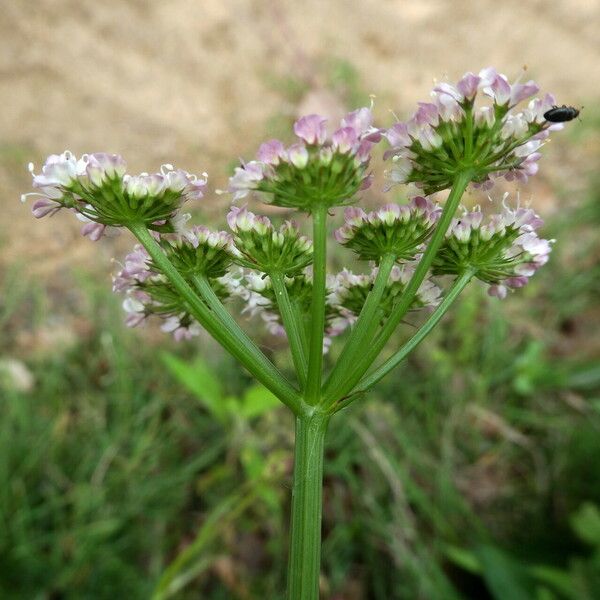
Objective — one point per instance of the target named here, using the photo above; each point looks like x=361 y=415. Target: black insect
x=560 y=114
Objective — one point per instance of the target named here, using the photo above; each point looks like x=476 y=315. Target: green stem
x=317 y=309
x=307 y=497
x=468 y=133
x=247 y=354
x=363 y=327
x=408 y=296
x=435 y=317
x=214 y=303
x=300 y=317
x=293 y=326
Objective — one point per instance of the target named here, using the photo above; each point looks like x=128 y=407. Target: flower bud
x=260 y=246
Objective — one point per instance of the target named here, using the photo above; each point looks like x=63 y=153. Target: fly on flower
x=456 y=133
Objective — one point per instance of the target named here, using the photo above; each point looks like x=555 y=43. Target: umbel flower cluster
x=407 y=251
x=412 y=257
x=455 y=130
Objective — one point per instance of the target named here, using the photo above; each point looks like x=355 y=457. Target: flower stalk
x=307 y=499
x=340 y=383
x=317 y=310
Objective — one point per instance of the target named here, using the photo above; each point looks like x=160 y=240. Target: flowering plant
x=420 y=254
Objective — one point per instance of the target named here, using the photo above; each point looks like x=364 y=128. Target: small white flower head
x=98 y=189
x=453 y=132
x=315 y=169
x=398 y=229
x=349 y=294
x=262 y=247
x=503 y=250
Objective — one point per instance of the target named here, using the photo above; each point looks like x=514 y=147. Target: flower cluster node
x=315 y=170
x=261 y=246
x=98 y=189
x=395 y=229
x=502 y=250
x=451 y=134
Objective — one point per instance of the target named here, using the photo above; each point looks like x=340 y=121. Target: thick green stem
x=371 y=353
x=317 y=310
x=292 y=326
x=234 y=342
x=366 y=324
x=307 y=497
x=435 y=317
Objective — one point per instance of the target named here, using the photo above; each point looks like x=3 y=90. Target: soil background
x=198 y=83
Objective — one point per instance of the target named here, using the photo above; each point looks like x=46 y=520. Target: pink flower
x=361 y=120
x=271 y=152
x=45 y=207
x=522 y=91
x=442 y=135
x=97 y=188
x=499 y=90
x=336 y=166
x=246 y=179
x=311 y=129
x=468 y=85
x=345 y=139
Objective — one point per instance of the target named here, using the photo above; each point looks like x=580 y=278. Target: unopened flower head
x=314 y=170
x=200 y=251
x=454 y=134
x=98 y=189
x=350 y=291
x=502 y=250
x=394 y=229
x=261 y=246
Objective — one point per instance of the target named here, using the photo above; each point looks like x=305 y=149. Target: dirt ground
x=191 y=82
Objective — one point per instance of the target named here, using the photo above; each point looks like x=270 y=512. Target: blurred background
x=133 y=467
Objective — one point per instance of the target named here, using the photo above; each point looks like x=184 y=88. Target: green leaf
x=253 y=462
x=503 y=575
x=198 y=379
x=465 y=559
x=561 y=581
x=194 y=558
x=586 y=523
x=257 y=401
